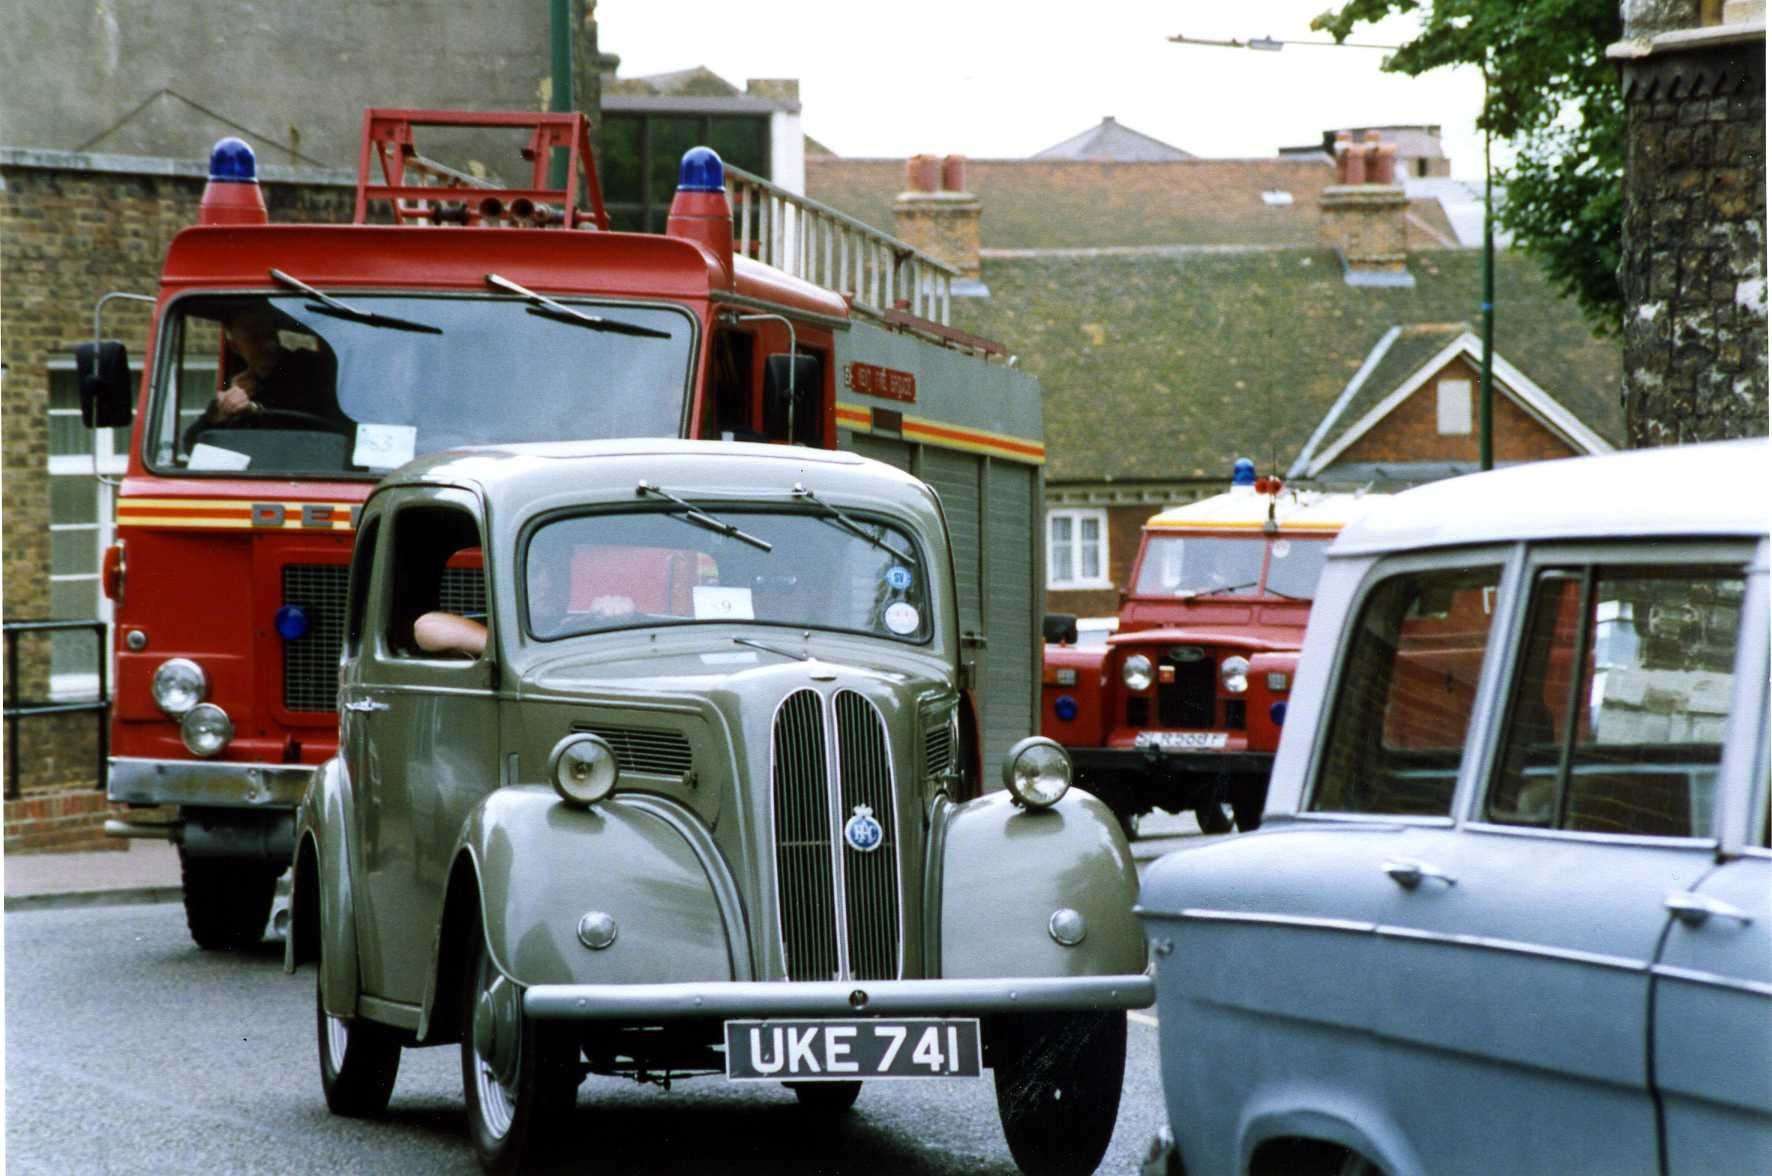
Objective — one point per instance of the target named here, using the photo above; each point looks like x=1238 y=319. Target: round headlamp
x=206 y=729
x=179 y=685
x=583 y=769
x=1234 y=673
x=1037 y=772
x=1136 y=672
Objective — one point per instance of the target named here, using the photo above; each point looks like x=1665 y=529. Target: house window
x=1076 y=549
x=1455 y=408
x=641 y=152
x=81 y=526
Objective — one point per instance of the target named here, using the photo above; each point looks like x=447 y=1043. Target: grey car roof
x=1715 y=489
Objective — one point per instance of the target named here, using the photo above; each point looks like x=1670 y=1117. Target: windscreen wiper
x=838 y=518
x=331 y=306
x=775 y=649
x=546 y=307
x=701 y=518
x=1224 y=588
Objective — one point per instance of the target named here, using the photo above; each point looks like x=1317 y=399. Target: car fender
x=1006 y=870
x=1304 y=1110
x=322 y=876
x=541 y=865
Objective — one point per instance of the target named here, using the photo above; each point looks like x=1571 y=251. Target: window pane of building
x=1454 y=409
x=73 y=499
x=1059 y=549
x=1089 y=548
x=742 y=142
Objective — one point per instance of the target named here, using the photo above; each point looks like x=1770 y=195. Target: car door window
x=1615 y=720
x=1402 y=707
x=438 y=571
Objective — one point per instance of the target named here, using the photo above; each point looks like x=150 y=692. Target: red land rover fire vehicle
x=1182 y=708
x=490 y=314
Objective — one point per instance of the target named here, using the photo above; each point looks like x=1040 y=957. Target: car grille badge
x=862 y=831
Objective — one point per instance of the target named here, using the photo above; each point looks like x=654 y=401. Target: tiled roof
x=1110 y=140
x=1168 y=364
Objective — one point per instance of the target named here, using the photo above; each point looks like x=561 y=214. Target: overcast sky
x=992 y=79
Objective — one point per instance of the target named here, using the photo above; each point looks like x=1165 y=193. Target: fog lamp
x=179 y=684
x=1136 y=673
x=583 y=769
x=1065 y=707
x=291 y=622
x=1037 y=772
x=206 y=729
x=1234 y=673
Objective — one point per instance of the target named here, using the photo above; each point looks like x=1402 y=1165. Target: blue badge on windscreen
x=898 y=578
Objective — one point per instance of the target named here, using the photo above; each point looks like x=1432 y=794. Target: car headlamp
x=582 y=769
x=1234 y=673
x=206 y=729
x=179 y=684
x=1037 y=772
x=1136 y=672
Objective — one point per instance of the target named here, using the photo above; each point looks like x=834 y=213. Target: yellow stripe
x=239 y=524
x=924 y=431
x=1243 y=525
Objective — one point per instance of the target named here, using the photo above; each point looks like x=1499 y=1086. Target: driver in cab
x=274 y=386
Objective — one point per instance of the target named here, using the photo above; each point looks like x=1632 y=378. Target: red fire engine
x=490 y=314
x=1181 y=709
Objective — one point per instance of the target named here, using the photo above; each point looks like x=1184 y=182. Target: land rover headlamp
x=206 y=729
x=1234 y=673
x=1136 y=672
x=1037 y=772
x=179 y=684
x=582 y=768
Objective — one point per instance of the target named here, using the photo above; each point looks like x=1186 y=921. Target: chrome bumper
x=206 y=783
x=836 y=998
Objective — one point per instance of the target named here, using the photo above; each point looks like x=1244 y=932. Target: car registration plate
x=833 y=1051
x=1183 y=740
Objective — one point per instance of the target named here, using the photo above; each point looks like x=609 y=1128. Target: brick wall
x=71 y=229
x=1695 y=243
x=1411 y=431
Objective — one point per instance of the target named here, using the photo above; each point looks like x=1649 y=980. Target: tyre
x=826 y=1099
x=520 y=1092
x=359 y=1061
x=1212 y=817
x=227 y=901
x=1246 y=806
x=1058 y=1081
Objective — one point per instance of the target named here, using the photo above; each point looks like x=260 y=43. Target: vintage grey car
x=1510 y=907
x=705 y=803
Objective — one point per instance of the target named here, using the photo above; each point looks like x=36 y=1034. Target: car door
x=1712 y=1010
x=1517 y=944
x=429 y=737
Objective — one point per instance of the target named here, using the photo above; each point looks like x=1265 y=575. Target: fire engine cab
x=1182 y=707
x=292 y=365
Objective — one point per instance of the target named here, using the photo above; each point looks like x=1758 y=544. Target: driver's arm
x=445 y=632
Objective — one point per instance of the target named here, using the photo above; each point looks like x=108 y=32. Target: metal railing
x=17 y=710
x=832 y=249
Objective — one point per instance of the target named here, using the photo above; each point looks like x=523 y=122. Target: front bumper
x=207 y=783
x=836 y=998
x=1206 y=767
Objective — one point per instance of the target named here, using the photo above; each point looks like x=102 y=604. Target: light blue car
x=1510 y=906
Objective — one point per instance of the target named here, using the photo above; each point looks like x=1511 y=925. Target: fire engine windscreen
x=1184 y=565
x=357 y=391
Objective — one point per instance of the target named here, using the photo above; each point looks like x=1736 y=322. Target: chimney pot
x=953 y=173
x=1353 y=165
x=1383 y=164
x=922 y=173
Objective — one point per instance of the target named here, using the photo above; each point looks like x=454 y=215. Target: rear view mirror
x=1059 y=628
x=107 y=398
x=793 y=416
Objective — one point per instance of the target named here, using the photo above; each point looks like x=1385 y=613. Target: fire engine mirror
x=106 y=398
x=1059 y=628
x=804 y=374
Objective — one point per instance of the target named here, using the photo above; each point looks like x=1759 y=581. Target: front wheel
x=359 y=1061
x=1212 y=817
x=227 y=901
x=519 y=1081
x=1058 y=1081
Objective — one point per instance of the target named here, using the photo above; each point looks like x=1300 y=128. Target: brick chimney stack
x=937 y=214
x=1363 y=212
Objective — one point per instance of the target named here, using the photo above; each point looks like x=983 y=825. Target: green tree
x=1551 y=94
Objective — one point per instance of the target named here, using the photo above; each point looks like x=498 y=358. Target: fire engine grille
x=870 y=879
x=1188 y=702
x=463 y=592
x=642 y=749
x=310 y=662
x=803 y=862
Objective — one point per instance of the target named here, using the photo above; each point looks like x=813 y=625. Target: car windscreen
x=1183 y=565
x=1295 y=565
x=597 y=572
x=292 y=385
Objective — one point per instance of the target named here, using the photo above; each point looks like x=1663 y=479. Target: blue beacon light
x=1065 y=707
x=1277 y=712
x=1243 y=473
x=292 y=622
x=232 y=161
x=701 y=171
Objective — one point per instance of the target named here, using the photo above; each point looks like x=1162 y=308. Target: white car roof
x=1717 y=489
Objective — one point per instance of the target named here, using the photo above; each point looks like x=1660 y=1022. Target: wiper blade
x=331 y=306
x=546 y=307
x=701 y=518
x=775 y=649
x=1224 y=588
x=838 y=518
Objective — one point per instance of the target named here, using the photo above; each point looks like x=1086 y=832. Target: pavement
x=147 y=871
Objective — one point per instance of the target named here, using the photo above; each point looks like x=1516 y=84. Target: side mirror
x=1059 y=628
x=794 y=416
x=107 y=398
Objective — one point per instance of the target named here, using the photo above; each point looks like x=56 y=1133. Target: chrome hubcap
x=495 y=1052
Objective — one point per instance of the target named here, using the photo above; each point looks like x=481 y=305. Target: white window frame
x=1075 y=579
x=109 y=462
x=1452 y=407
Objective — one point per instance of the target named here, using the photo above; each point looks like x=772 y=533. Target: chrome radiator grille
x=310 y=662
x=840 y=908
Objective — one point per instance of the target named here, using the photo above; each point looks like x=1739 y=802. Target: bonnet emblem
x=862 y=831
